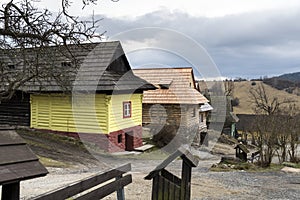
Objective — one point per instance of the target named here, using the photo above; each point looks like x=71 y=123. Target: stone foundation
x=126 y=139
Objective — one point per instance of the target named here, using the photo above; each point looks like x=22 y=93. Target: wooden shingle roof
x=17 y=161
x=243 y=147
x=180 y=91
x=182 y=152
x=100 y=67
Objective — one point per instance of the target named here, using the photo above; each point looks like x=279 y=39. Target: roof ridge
x=70 y=45
x=162 y=68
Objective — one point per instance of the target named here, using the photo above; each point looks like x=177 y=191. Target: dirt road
x=205 y=184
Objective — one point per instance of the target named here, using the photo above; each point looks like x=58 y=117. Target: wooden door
x=129 y=141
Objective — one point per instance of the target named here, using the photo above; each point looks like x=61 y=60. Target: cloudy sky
x=249 y=38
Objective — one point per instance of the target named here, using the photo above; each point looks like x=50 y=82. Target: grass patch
x=37 y=144
x=228 y=165
x=48 y=162
x=248 y=167
x=154 y=154
x=293 y=165
x=50 y=137
x=272 y=168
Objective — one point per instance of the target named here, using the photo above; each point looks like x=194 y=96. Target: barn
x=175 y=104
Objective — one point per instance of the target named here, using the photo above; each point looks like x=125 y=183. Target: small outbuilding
x=17 y=163
x=167 y=185
x=241 y=152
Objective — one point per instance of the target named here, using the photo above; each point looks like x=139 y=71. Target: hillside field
x=241 y=91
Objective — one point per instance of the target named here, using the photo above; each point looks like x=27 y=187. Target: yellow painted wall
x=116 y=120
x=59 y=113
x=55 y=112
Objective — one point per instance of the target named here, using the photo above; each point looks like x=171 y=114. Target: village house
x=231 y=120
x=98 y=98
x=222 y=116
x=173 y=108
x=205 y=111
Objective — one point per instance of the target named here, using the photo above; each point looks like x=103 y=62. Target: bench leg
x=11 y=191
x=120 y=192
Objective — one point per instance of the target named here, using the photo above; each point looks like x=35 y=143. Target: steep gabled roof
x=99 y=67
x=183 y=152
x=243 y=147
x=17 y=161
x=181 y=89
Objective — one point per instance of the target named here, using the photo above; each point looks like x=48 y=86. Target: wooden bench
x=17 y=163
x=116 y=184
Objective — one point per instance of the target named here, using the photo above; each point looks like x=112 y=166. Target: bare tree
x=291 y=132
x=26 y=33
x=269 y=131
x=229 y=88
x=294 y=139
x=264 y=132
x=265 y=103
x=282 y=136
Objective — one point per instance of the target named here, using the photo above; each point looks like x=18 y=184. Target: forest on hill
x=287 y=82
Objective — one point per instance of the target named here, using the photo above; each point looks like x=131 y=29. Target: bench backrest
x=83 y=185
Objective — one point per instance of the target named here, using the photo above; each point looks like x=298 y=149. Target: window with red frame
x=126 y=109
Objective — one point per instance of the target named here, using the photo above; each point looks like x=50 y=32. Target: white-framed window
x=126 y=109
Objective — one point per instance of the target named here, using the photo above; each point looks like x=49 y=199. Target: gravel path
x=244 y=185
x=205 y=184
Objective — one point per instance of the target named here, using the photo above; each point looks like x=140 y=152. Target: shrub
x=235 y=101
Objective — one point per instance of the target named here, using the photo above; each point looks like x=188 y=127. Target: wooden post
x=185 y=191
x=11 y=191
x=155 y=185
x=168 y=186
x=120 y=192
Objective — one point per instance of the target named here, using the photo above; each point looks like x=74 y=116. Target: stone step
x=144 y=148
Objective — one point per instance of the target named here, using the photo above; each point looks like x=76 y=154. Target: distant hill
x=241 y=91
x=294 y=77
x=287 y=82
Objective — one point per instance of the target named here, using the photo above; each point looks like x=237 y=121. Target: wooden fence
x=103 y=190
x=166 y=186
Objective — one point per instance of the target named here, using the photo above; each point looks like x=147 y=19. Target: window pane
x=127 y=109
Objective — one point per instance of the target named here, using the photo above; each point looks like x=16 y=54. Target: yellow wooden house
x=101 y=102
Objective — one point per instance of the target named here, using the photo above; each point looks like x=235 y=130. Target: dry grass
x=241 y=91
x=48 y=162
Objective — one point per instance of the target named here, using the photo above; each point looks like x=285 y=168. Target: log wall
x=15 y=111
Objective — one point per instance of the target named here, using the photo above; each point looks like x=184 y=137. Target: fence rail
x=86 y=184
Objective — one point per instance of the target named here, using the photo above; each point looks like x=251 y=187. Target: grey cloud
x=247 y=45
